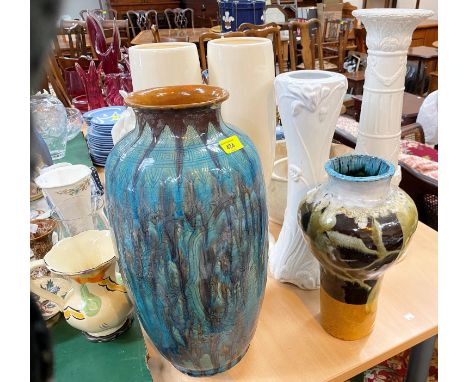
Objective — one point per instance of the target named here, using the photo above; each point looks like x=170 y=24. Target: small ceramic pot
x=97 y=303
x=40 y=242
x=357 y=225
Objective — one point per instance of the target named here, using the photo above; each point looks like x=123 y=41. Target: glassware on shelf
x=81 y=103
x=72 y=220
x=108 y=55
x=50 y=120
x=91 y=84
x=74 y=122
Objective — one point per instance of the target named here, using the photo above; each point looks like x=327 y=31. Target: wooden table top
x=355 y=76
x=146 y=37
x=411 y=104
x=64 y=45
x=290 y=345
x=423 y=52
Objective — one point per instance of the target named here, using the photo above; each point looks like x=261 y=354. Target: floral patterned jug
x=97 y=303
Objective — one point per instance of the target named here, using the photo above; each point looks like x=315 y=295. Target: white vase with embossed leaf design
x=309 y=103
x=389 y=35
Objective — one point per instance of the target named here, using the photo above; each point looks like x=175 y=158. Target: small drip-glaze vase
x=357 y=225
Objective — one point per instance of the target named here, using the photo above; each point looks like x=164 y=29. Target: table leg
x=285 y=47
x=420 y=361
x=419 y=82
x=357 y=378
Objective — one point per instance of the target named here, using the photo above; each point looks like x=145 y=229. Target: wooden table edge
x=389 y=354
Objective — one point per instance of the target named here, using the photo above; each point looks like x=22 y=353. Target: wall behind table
x=72 y=8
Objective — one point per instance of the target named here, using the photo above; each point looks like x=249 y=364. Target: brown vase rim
x=177 y=97
x=52 y=225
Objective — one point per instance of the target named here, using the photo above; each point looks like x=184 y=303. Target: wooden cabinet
x=204 y=10
x=425 y=34
x=122 y=6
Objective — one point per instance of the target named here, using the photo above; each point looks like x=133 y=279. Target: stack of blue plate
x=99 y=136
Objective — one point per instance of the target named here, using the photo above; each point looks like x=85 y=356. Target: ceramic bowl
x=41 y=241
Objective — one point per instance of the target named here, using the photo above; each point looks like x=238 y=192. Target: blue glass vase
x=189 y=219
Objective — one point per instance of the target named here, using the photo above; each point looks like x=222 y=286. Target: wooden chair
x=205 y=37
x=72 y=23
x=335 y=41
x=433 y=81
x=179 y=17
x=155 y=32
x=413 y=132
x=101 y=14
x=424 y=192
x=142 y=20
x=157 y=38
x=75 y=33
x=124 y=30
x=55 y=78
x=270 y=30
x=310 y=38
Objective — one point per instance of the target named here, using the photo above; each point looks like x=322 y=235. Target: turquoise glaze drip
x=190 y=227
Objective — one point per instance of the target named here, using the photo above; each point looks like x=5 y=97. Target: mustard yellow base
x=346 y=321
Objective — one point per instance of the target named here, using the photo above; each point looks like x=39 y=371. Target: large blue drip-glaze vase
x=190 y=227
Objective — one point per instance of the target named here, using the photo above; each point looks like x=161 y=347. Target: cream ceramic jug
x=97 y=303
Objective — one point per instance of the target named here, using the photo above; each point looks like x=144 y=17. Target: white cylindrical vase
x=164 y=64
x=309 y=103
x=244 y=66
x=389 y=35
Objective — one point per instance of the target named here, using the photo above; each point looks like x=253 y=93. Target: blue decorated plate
x=103 y=112
x=107 y=119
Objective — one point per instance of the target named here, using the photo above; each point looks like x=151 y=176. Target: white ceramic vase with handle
x=389 y=35
x=309 y=103
x=164 y=64
x=244 y=66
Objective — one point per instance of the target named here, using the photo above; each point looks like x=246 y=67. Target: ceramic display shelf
x=389 y=34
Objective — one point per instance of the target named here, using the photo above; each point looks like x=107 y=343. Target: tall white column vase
x=244 y=66
x=389 y=34
x=309 y=104
x=164 y=64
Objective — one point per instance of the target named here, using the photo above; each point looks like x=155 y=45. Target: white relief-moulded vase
x=309 y=103
x=389 y=35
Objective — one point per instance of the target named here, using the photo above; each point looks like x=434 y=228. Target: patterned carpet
x=394 y=369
